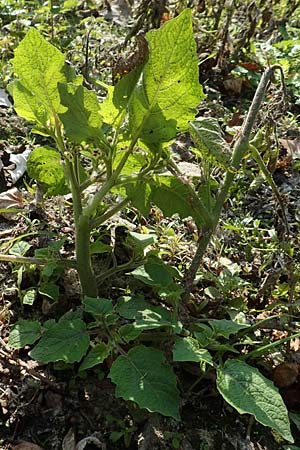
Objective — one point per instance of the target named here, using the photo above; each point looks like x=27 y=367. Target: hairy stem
x=241 y=147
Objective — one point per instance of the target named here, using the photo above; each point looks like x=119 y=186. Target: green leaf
x=173 y=196
x=226 y=327
x=188 y=349
x=95 y=356
x=98 y=247
x=154 y=273
x=156 y=317
x=82 y=120
x=143 y=376
x=129 y=307
x=129 y=332
x=39 y=65
x=163 y=101
x=140 y=196
x=24 y=332
x=65 y=341
x=207 y=135
x=29 y=296
x=50 y=290
x=19 y=248
x=248 y=391
x=114 y=106
x=97 y=306
x=142 y=240
x=44 y=165
x=29 y=106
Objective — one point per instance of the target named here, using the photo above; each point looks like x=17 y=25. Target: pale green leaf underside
x=39 y=66
x=207 y=136
x=143 y=376
x=169 y=89
x=248 y=391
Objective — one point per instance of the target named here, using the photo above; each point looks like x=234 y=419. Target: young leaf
x=19 y=248
x=40 y=67
x=95 y=356
x=24 y=332
x=118 y=98
x=29 y=296
x=207 y=135
x=65 y=341
x=44 y=165
x=144 y=377
x=188 y=349
x=248 y=391
x=163 y=101
x=82 y=120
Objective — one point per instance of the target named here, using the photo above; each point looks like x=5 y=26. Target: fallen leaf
x=285 y=374
x=4 y=100
x=69 y=442
x=27 y=446
x=292 y=146
x=11 y=199
x=234 y=85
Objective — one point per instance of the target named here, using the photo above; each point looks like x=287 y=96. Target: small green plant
x=125 y=139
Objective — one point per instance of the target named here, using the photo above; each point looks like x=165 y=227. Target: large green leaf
x=144 y=377
x=82 y=121
x=40 y=67
x=172 y=196
x=24 y=332
x=162 y=103
x=44 y=165
x=248 y=391
x=65 y=341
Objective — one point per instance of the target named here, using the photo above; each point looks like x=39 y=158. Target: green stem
x=83 y=256
x=110 y=213
x=82 y=225
x=239 y=151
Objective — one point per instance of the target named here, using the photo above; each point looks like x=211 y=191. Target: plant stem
x=38 y=261
x=240 y=149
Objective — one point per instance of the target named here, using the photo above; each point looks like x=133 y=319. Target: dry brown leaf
x=69 y=442
x=285 y=374
x=234 y=85
x=27 y=446
x=292 y=146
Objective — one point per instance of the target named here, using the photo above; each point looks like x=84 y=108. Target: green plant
x=125 y=140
